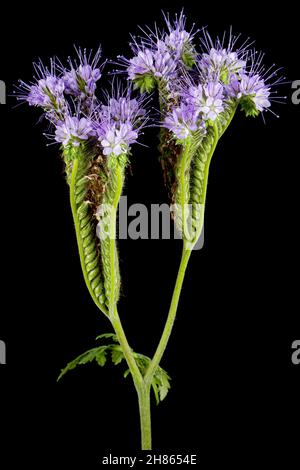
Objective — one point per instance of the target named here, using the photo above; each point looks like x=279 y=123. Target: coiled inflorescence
x=199 y=92
x=96 y=137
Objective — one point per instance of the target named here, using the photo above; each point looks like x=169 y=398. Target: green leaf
x=248 y=106
x=97 y=354
x=113 y=336
x=117 y=355
x=101 y=357
x=161 y=384
x=161 y=379
x=145 y=83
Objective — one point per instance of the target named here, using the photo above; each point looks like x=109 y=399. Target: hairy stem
x=119 y=176
x=112 y=291
x=145 y=416
x=184 y=189
x=186 y=253
x=128 y=352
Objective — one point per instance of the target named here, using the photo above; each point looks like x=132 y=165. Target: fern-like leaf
x=161 y=379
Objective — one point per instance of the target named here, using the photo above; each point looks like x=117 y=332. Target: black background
x=235 y=391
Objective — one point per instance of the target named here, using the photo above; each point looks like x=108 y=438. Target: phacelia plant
x=200 y=85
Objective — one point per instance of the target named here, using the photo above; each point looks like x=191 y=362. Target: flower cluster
x=195 y=88
x=159 y=57
x=118 y=123
x=224 y=75
x=199 y=105
x=81 y=78
x=67 y=97
x=240 y=71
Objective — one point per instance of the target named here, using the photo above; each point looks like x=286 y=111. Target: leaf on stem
x=161 y=379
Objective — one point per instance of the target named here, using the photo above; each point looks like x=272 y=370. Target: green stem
x=142 y=389
x=145 y=416
x=78 y=235
x=128 y=353
x=183 y=189
x=119 y=170
x=203 y=195
x=143 y=392
x=186 y=253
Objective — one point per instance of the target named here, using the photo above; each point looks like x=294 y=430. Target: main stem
x=145 y=416
x=143 y=391
x=186 y=253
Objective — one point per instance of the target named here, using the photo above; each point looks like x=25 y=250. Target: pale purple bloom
x=222 y=59
x=47 y=92
x=81 y=78
x=207 y=99
x=82 y=81
x=123 y=109
x=255 y=88
x=118 y=123
x=161 y=55
x=221 y=64
x=182 y=121
x=159 y=64
x=178 y=41
x=74 y=130
x=117 y=140
x=111 y=143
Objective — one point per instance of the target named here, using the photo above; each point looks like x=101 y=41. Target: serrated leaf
x=84 y=358
x=161 y=380
x=156 y=393
x=101 y=358
x=113 y=336
x=117 y=355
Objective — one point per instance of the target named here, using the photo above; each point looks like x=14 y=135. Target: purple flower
x=159 y=64
x=123 y=109
x=47 y=91
x=220 y=61
x=118 y=122
x=118 y=140
x=221 y=64
x=80 y=81
x=178 y=40
x=160 y=57
x=207 y=99
x=253 y=93
x=182 y=121
x=74 y=130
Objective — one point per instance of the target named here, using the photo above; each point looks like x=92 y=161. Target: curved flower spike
x=198 y=111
